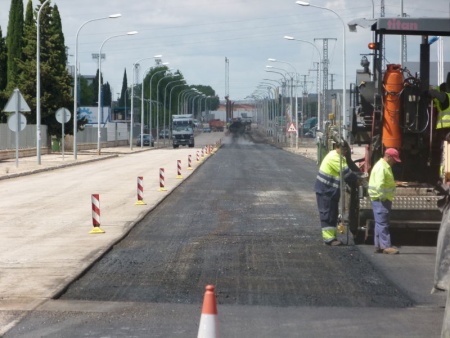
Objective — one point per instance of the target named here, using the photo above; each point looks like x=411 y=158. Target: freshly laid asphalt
x=37 y=262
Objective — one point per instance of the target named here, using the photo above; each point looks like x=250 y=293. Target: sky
x=196 y=36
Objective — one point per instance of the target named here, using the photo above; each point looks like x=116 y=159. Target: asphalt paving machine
x=390 y=108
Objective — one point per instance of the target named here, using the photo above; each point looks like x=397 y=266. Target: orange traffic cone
x=209 y=324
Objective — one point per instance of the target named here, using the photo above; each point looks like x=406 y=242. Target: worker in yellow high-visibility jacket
x=382 y=191
x=327 y=188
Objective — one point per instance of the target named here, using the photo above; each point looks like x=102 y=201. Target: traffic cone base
x=189 y=168
x=97 y=230
x=140 y=202
x=179 y=176
x=162 y=189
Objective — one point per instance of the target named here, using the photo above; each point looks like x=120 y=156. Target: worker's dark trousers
x=328 y=211
x=382 y=236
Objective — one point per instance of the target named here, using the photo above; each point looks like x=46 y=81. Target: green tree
x=95 y=84
x=107 y=95
x=86 y=92
x=213 y=100
x=14 y=42
x=56 y=82
x=124 y=97
x=3 y=72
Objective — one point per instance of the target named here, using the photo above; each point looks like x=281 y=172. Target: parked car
x=309 y=127
x=147 y=140
x=206 y=129
x=164 y=133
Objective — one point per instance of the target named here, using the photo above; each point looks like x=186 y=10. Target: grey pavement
x=46 y=213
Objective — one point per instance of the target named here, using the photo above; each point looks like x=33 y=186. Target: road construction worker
x=327 y=188
x=382 y=191
x=442 y=102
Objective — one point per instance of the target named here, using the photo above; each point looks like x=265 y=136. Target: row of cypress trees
x=18 y=63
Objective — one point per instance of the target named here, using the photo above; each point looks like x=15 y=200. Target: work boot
x=334 y=242
x=391 y=251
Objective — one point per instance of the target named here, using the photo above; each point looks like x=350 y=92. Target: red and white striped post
x=189 y=162
x=198 y=156
x=161 y=180
x=140 y=191
x=95 y=201
x=203 y=152
x=179 y=169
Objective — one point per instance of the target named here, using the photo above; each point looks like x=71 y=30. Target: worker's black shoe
x=334 y=242
x=378 y=250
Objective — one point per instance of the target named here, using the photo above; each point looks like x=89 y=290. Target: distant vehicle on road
x=206 y=129
x=164 y=133
x=217 y=125
x=309 y=127
x=183 y=130
x=147 y=140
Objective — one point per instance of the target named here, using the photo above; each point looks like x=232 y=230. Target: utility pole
x=317 y=64
x=403 y=44
x=304 y=96
x=227 y=77
x=383 y=45
x=331 y=81
x=325 y=69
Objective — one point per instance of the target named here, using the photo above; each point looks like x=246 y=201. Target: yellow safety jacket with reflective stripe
x=381 y=182
x=443 y=118
x=328 y=177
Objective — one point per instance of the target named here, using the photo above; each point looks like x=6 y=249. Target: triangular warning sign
x=16 y=103
x=292 y=128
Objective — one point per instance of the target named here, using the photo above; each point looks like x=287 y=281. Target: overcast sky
x=195 y=36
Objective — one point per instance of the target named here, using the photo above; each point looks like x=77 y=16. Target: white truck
x=183 y=130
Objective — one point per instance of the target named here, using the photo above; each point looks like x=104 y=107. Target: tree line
x=18 y=70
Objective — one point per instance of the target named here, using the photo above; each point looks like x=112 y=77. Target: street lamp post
x=150 y=97
x=100 y=87
x=157 y=98
x=319 y=119
x=133 y=75
x=164 y=106
x=75 y=85
x=180 y=95
x=296 y=96
x=284 y=77
x=157 y=57
x=343 y=119
x=38 y=84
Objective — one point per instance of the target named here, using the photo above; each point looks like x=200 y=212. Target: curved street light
x=343 y=119
x=292 y=94
x=318 y=75
x=38 y=84
x=157 y=57
x=157 y=99
x=180 y=95
x=135 y=65
x=150 y=96
x=100 y=86
x=75 y=85
x=164 y=105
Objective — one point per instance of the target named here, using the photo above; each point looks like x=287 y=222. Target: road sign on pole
x=62 y=116
x=17 y=122
x=16 y=103
x=292 y=128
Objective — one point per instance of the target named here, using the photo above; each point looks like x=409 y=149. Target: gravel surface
x=247 y=223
